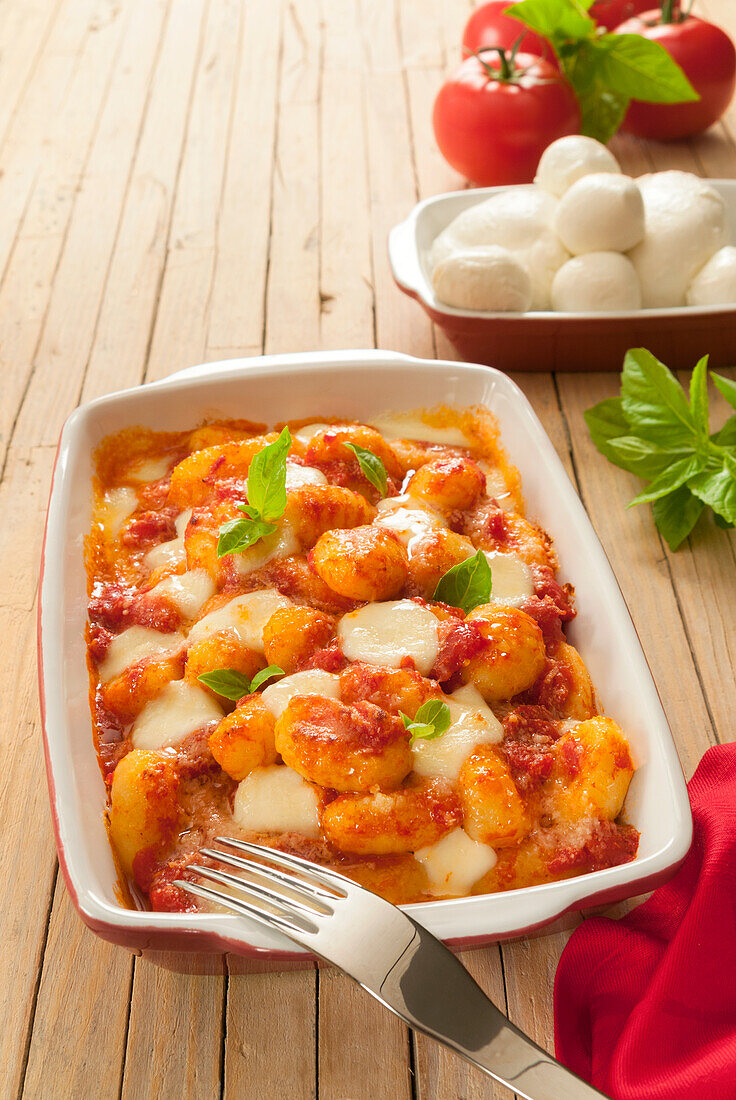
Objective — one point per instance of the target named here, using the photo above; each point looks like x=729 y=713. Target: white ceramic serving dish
x=545 y=340
x=360 y=385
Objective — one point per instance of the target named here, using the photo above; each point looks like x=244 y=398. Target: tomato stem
x=672 y=11
x=506 y=71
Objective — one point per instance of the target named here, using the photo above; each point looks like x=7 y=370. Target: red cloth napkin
x=645 y=1006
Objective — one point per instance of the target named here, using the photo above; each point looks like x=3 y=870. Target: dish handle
x=350 y=359
x=404 y=258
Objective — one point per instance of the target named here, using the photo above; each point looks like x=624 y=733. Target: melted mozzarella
x=386 y=633
x=151 y=469
x=313 y=681
x=472 y=723
x=309 y=431
x=281 y=544
x=133 y=645
x=188 y=592
x=171 y=553
x=455 y=863
x=245 y=616
x=117 y=505
x=276 y=800
x=496 y=486
x=180 y=709
x=297 y=476
x=512 y=579
x=408 y=518
x=412 y=427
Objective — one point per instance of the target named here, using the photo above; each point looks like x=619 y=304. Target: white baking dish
x=361 y=385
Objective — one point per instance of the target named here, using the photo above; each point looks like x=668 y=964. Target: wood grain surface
x=188 y=180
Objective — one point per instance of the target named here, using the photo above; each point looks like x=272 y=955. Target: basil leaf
x=675 y=475
x=676 y=514
x=726 y=386
x=467 y=584
x=265 y=674
x=606 y=420
x=726 y=437
x=641 y=457
x=601 y=109
x=239 y=534
x=267 y=478
x=639 y=68
x=555 y=19
x=716 y=486
x=430 y=722
x=699 y=396
x=226 y=682
x=372 y=467
x=654 y=400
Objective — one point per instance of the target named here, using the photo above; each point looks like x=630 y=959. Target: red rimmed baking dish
x=545 y=340
x=362 y=385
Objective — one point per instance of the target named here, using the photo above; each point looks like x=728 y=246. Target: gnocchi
x=302 y=686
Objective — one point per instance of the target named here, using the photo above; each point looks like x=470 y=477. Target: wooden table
x=183 y=180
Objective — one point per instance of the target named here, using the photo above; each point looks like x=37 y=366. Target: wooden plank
x=180 y=331
x=174 y=1035
x=72 y=39
x=400 y=325
x=82 y=1010
x=25 y=290
x=131 y=289
x=346 y=274
x=292 y=318
x=238 y=293
x=27 y=856
x=27 y=25
x=271 y=1027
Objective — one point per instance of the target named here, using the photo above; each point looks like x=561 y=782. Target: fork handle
x=431 y=990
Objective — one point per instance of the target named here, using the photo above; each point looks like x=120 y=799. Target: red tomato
x=707 y=56
x=492 y=128
x=609 y=13
x=488 y=26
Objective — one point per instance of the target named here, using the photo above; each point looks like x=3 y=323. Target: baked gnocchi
x=364 y=662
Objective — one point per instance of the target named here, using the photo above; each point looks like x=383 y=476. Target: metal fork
x=391 y=956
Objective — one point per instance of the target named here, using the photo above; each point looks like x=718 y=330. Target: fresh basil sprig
x=606 y=71
x=431 y=721
x=266 y=487
x=372 y=467
x=467 y=584
x=232 y=684
x=654 y=431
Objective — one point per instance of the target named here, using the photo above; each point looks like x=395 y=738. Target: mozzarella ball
x=569 y=159
x=598 y=282
x=600 y=213
x=517 y=219
x=685 y=225
x=483 y=278
x=715 y=284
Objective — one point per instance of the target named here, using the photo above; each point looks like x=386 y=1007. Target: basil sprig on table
x=653 y=431
x=371 y=467
x=466 y=585
x=266 y=487
x=232 y=684
x=606 y=71
x=431 y=721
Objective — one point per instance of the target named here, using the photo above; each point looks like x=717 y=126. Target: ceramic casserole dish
x=360 y=385
x=543 y=339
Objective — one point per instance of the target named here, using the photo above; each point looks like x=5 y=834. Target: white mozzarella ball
x=569 y=159
x=685 y=225
x=483 y=278
x=715 y=284
x=599 y=282
x=517 y=219
x=600 y=213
